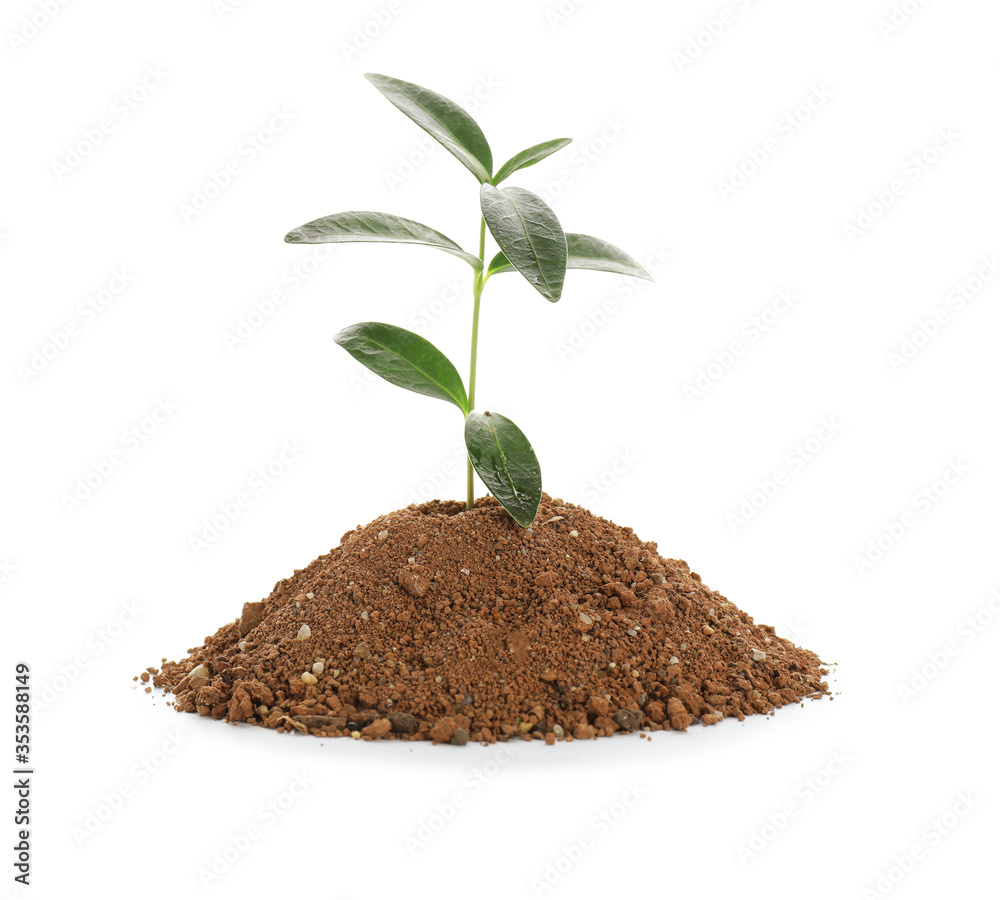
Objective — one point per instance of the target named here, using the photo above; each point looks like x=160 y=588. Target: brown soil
x=437 y=623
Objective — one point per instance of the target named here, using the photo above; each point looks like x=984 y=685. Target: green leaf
x=529 y=157
x=362 y=227
x=445 y=121
x=529 y=234
x=586 y=252
x=405 y=359
x=502 y=456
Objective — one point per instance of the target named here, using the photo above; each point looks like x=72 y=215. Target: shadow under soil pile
x=437 y=623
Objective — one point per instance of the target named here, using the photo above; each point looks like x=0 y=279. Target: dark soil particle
x=438 y=623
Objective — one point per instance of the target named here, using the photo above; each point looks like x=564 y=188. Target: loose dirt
x=437 y=623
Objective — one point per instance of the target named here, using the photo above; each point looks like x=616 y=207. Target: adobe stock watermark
x=7 y=570
x=371 y=28
x=225 y=8
x=98 y=642
x=931 y=836
x=86 y=312
x=751 y=331
x=248 y=150
x=914 y=169
x=132 y=439
x=454 y=291
x=425 y=147
x=582 y=155
x=599 y=826
x=262 y=310
x=936 y=661
x=956 y=300
x=432 y=480
x=712 y=29
x=266 y=816
x=795 y=630
x=114 y=800
x=803 y=795
x=125 y=104
x=259 y=482
x=794 y=461
x=448 y=810
x=620 y=465
x=559 y=13
x=593 y=321
x=785 y=128
x=898 y=16
x=34 y=23
x=922 y=502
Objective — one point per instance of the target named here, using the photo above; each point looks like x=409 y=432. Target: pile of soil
x=439 y=623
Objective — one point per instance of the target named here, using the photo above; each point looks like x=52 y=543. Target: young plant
x=531 y=241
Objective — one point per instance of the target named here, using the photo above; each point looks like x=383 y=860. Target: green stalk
x=477 y=293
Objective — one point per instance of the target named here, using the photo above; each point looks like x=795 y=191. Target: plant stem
x=477 y=293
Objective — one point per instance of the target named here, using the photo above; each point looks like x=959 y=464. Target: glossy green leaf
x=529 y=234
x=503 y=458
x=363 y=227
x=405 y=359
x=586 y=252
x=529 y=157
x=445 y=121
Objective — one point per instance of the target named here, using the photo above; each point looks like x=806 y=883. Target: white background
x=131 y=798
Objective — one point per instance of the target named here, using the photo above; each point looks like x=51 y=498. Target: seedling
x=531 y=241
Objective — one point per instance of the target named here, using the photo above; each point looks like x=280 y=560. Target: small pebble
x=574 y=533
x=308 y=678
x=356 y=735
x=465 y=571
x=633 y=632
x=304 y=633
x=759 y=656
x=586 y=619
x=674 y=660
x=310 y=596
x=364 y=615
x=382 y=535
x=199 y=671
x=707 y=629
x=438 y=679
x=243 y=646
x=317 y=668
x=336 y=673
x=558 y=731
x=612 y=665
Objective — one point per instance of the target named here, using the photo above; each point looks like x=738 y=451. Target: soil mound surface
x=438 y=623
